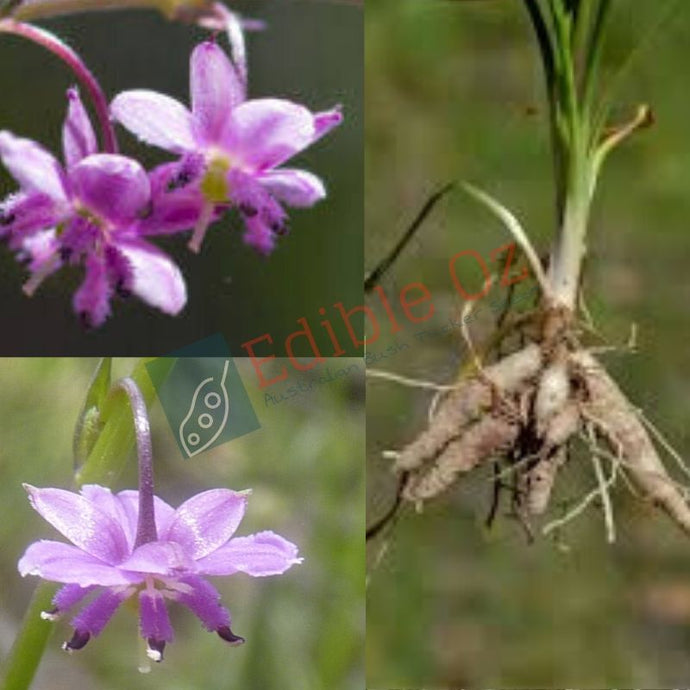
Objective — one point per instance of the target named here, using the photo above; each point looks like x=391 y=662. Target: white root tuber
x=563 y=425
x=480 y=441
x=537 y=483
x=469 y=402
x=616 y=420
x=553 y=393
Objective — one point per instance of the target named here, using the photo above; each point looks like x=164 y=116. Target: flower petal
x=32 y=166
x=264 y=217
x=81 y=521
x=154 y=623
x=58 y=562
x=294 y=187
x=78 y=137
x=264 y=553
x=176 y=198
x=96 y=615
x=174 y=212
x=265 y=132
x=215 y=89
x=79 y=236
x=185 y=172
x=65 y=598
x=160 y=558
x=206 y=521
x=92 y=300
x=111 y=504
x=114 y=187
x=156 y=278
x=41 y=251
x=325 y=121
x=259 y=236
x=203 y=600
x=26 y=213
x=156 y=119
x=130 y=502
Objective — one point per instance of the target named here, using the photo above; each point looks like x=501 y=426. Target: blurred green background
x=311 y=52
x=453 y=91
x=304 y=629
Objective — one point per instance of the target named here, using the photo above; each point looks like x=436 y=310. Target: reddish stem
x=75 y=63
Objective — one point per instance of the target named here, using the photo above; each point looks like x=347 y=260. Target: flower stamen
x=78 y=641
x=226 y=634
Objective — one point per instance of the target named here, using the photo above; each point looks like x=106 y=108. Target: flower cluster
x=100 y=210
x=108 y=562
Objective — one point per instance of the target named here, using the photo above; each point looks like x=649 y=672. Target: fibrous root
x=523 y=412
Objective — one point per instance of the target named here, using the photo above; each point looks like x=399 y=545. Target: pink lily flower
x=239 y=145
x=93 y=211
x=134 y=544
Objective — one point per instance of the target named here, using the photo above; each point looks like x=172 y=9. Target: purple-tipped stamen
x=155 y=649
x=154 y=622
x=78 y=641
x=229 y=636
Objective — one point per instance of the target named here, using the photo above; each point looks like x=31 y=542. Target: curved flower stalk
x=95 y=210
x=134 y=544
x=233 y=147
x=51 y=43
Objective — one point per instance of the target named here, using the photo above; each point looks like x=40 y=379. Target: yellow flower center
x=214 y=185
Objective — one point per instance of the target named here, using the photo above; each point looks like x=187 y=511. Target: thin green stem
x=582 y=25
x=572 y=143
x=593 y=55
x=22 y=662
x=567 y=87
x=547 y=51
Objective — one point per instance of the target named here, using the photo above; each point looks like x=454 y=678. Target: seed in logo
x=207 y=415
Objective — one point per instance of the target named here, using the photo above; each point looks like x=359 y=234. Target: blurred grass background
x=453 y=91
x=303 y=629
x=311 y=52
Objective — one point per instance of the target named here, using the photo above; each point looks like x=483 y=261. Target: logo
x=204 y=398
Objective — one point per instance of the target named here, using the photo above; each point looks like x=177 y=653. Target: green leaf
x=115 y=441
x=89 y=423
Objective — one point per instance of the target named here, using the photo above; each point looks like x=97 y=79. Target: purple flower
x=117 y=552
x=240 y=143
x=94 y=211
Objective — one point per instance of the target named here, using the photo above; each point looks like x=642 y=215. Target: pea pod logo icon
x=207 y=415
